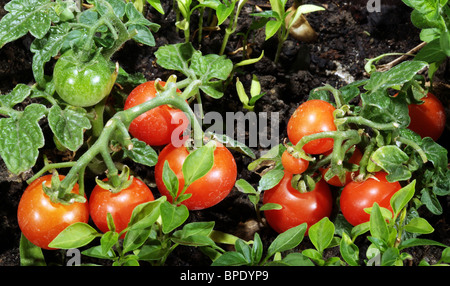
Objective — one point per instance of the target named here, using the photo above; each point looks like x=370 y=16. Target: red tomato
x=311 y=117
x=207 y=191
x=297 y=208
x=120 y=205
x=354 y=159
x=356 y=196
x=156 y=126
x=41 y=220
x=428 y=119
x=293 y=165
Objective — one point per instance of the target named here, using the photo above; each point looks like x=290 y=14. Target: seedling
x=291 y=21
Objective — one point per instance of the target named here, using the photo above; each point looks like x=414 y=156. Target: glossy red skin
x=120 y=205
x=207 y=191
x=40 y=220
x=354 y=159
x=298 y=208
x=155 y=126
x=311 y=117
x=293 y=165
x=356 y=196
x=428 y=119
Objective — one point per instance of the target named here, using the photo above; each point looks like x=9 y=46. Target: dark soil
x=348 y=34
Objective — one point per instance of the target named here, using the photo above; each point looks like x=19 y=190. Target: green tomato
x=82 y=84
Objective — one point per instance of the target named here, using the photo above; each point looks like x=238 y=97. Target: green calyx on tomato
x=58 y=195
x=297 y=207
x=116 y=183
x=83 y=84
x=40 y=219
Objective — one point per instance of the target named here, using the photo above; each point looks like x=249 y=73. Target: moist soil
x=348 y=35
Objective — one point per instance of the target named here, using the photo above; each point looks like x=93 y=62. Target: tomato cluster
x=42 y=219
x=299 y=206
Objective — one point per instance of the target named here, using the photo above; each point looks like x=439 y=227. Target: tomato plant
x=428 y=118
x=311 y=117
x=208 y=190
x=157 y=126
x=355 y=158
x=297 y=207
x=82 y=84
x=119 y=204
x=40 y=219
x=356 y=196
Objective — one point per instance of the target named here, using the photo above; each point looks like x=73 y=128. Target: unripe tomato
x=156 y=126
x=356 y=196
x=41 y=220
x=120 y=204
x=82 y=84
x=207 y=191
x=428 y=119
x=293 y=165
x=297 y=207
x=311 y=117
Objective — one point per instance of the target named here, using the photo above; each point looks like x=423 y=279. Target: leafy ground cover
x=288 y=71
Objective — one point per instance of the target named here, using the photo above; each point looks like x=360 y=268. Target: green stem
x=168 y=97
x=366 y=157
x=363 y=121
x=415 y=146
x=335 y=92
x=49 y=167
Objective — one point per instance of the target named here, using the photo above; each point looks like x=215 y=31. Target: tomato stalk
x=117 y=127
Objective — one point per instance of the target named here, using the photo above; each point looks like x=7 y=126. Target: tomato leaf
x=108 y=240
x=392 y=159
x=21 y=137
x=398 y=75
x=17 y=95
x=46 y=48
x=210 y=69
x=75 y=235
x=198 y=163
x=419 y=225
x=68 y=125
x=34 y=16
x=135 y=238
x=232 y=144
x=270 y=179
x=142 y=153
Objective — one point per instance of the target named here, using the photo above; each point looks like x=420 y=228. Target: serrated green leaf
x=392 y=159
x=46 y=48
x=68 y=125
x=396 y=76
x=175 y=57
x=17 y=95
x=142 y=153
x=21 y=138
x=34 y=16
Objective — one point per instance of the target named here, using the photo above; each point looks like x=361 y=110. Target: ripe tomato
x=297 y=208
x=41 y=220
x=356 y=196
x=156 y=126
x=82 y=84
x=354 y=159
x=311 y=117
x=428 y=119
x=292 y=164
x=207 y=191
x=120 y=205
